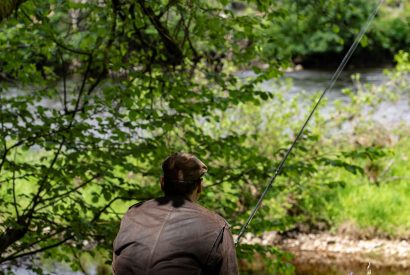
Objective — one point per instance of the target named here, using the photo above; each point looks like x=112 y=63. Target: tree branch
x=14 y=187
x=4 y=157
x=51 y=199
x=170 y=4
x=64 y=81
x=37 y=250
x=46 y=237
x=67 y=48
x=175 y=56
x=102 y=210
x=20 y=177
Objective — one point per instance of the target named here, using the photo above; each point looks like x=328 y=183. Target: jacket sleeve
x=229 y=265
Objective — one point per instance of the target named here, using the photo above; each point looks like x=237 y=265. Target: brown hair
x=182 y=174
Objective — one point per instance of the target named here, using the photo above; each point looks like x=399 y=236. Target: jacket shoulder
x=138 y=204
x=208 y=214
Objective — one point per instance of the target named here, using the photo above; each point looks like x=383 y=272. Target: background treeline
x=318 y=33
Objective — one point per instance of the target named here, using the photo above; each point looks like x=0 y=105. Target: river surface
x=388 y=114
x=315 y=81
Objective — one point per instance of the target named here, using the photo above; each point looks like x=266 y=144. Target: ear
x=161 y=181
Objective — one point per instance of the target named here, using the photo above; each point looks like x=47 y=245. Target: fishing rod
x=330 y=85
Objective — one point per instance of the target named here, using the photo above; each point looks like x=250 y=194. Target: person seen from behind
x=173 y=234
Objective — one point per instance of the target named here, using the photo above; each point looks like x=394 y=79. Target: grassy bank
x=368 y=208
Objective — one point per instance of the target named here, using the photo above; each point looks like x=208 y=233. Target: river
x=312 y=81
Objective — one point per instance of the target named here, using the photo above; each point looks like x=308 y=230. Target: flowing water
x=311 y=81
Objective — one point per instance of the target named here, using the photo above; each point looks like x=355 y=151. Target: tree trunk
x=7 y=7
x=11 y=235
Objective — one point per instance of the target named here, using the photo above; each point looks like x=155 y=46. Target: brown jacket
x=173 y=236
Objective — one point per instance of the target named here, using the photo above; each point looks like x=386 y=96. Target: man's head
x=182 y=175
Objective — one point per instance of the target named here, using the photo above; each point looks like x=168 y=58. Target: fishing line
x=329 y=87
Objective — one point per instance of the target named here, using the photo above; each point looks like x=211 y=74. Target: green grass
x=382 y=208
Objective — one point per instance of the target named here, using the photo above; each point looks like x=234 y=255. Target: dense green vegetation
x=317 y=33
x=95 y=95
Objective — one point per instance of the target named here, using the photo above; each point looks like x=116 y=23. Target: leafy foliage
x=95 y=96
x=319 y=32
x=278 y=263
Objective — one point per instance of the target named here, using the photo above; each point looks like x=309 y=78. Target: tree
x=95 y=94
x=316 y=31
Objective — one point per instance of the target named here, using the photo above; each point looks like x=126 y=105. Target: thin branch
x=4 y=157
x=105 y=61
x=66 y=193
x=36 y=199
x=178 y=26
x=78 y=258
x=77 y=107
x=102 y=210
x=187 y=37
x=175 y=55
x=82 y=87
x=19 y=177
x=46 y=237
x=95 y=218
x=14 y=187
x=65 y=47
x=115 y=213
x=17 y=144
x=387 y=168
x=33 y=138
x=2 y=131
x=166 y=8
x=58 y=43
x=64 y=82
x=37 y=250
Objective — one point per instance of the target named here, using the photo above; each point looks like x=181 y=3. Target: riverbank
x=326 y=253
